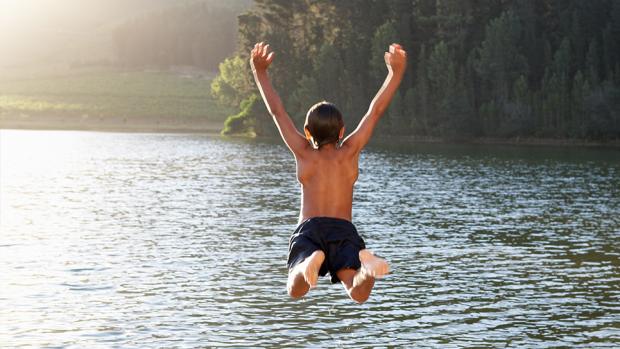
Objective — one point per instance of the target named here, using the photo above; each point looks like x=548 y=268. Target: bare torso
x=327 y=176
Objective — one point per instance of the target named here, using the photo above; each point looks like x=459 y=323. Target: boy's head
x=324 y=124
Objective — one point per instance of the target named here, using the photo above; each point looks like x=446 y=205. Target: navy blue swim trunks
x=336 y=237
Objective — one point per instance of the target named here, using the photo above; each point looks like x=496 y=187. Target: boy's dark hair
x=324 y=122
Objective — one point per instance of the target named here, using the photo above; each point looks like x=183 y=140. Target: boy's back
x=327 y=176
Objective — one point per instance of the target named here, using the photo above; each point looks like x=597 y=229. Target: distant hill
x=36 y=33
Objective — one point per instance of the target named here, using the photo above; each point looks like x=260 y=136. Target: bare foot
x=310 y=267
x=373 y=265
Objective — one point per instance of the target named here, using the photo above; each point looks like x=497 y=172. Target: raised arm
x=260 y=60
x=396 y=62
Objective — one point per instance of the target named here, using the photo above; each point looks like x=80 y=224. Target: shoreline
x=525 y=142
x=201 y=125
x=114 y=124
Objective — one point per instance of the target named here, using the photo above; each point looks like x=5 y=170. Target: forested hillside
x=199 y=34
x=478 y=68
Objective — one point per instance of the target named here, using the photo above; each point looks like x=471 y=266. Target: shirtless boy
x=327 y=168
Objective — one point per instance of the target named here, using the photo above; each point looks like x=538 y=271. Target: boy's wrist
x=395 y=73
x=253 y=68
x=398 y=74
x=259 y=71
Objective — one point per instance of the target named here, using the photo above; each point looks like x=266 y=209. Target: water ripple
x=149 y=240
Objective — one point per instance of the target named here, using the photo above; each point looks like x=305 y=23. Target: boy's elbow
x=376 y=112
x=277 y=112
x=380 y=111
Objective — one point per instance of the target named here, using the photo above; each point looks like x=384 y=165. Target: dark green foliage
x=244 y=121
x=234 y=82
x=385 y=35
x=478 y=68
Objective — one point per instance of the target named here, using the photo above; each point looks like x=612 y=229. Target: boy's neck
x=329 y=146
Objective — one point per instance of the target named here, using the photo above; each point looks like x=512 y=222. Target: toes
x=374 y=266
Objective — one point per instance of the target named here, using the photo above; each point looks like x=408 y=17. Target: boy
x=327 y=169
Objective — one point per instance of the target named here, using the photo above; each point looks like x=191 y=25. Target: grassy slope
x=103 y=94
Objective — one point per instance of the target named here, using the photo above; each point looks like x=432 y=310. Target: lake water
x=156 y=240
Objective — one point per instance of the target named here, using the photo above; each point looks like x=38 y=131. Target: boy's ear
x=341 y=133
x=308 y=135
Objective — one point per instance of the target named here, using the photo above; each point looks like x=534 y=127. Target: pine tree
x=384 y=36
x=442 y=77
x=500 y=61
x=593 y=63
x=422 y=95
x=409 y=110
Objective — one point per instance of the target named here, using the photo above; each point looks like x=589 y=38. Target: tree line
x=477 y=68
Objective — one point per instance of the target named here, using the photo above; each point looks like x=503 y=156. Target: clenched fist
x=396 y=59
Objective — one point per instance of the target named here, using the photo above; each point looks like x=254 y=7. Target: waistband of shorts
x=327 y=219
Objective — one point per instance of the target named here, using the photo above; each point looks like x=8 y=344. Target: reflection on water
x=140 y=240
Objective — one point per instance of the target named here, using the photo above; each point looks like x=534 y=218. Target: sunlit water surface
x=152 y=240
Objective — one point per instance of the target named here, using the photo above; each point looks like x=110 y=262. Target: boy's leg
x=305 y=275
x=359 y=283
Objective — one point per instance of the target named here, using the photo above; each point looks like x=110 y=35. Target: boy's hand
x=396 y=59
x=261 y=58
